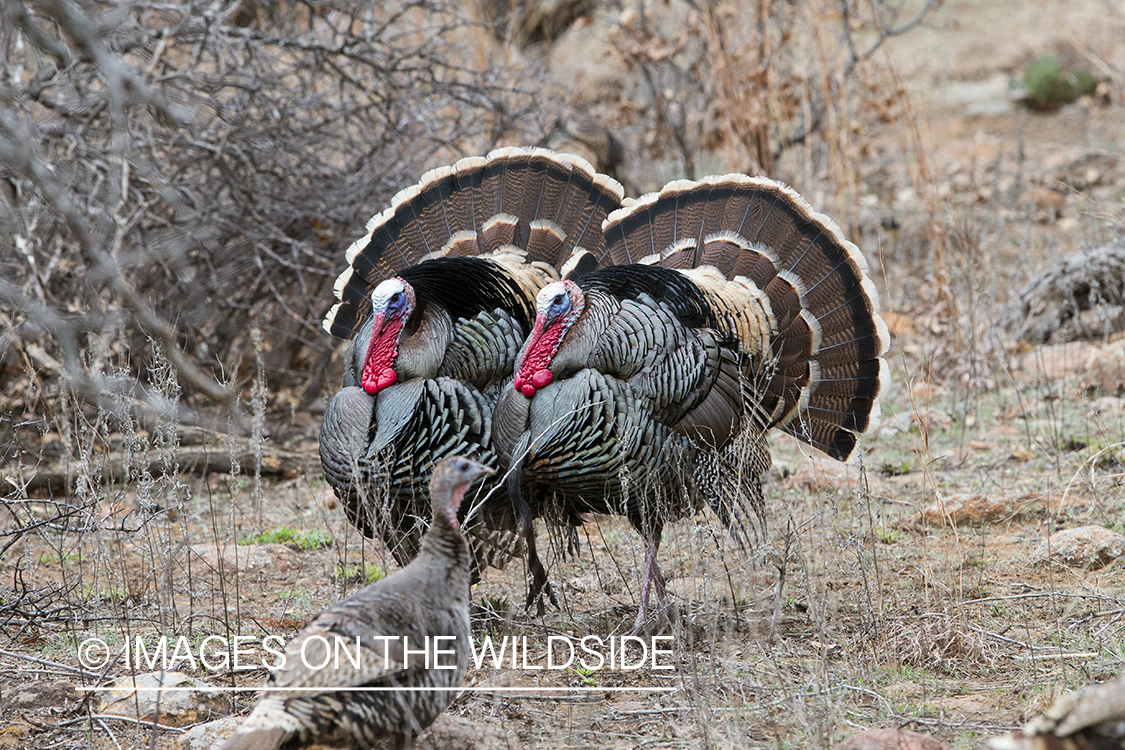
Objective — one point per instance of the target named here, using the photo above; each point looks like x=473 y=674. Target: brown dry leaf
x=14 y=735
x=898 y=323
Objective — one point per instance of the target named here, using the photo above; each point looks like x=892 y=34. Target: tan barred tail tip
x=543 y=203
x=258 y=739
x=827 y=337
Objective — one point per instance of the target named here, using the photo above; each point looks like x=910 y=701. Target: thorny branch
x=178 y=175
x=103 y=264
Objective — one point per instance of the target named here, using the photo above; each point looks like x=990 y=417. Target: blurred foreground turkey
x=428 y=598
x=1092 y=719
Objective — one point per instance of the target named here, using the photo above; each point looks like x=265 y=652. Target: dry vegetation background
x=178 y=183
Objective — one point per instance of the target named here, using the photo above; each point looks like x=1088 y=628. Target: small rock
x=1092 y=718
x=174 y=708
x=1089 y=547
x=245 y=558
x=210 y=735
x=1105 y=375
x=890 y=739
x=458 y=733
x=974 y=509
x=41 y=694
x=1057 y=361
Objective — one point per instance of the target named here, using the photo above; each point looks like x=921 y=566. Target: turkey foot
x=539 y=586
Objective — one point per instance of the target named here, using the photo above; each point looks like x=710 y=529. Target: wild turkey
x=426 y=599
x=646 y=389
x=437 y=298
x=1093 y=719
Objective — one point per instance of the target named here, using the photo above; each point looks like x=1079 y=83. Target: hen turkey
x=727 y=307
x=412 y=609
x=437 y=298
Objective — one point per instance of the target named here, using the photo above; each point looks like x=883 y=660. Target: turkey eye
x=558 y=299
x=396 y=296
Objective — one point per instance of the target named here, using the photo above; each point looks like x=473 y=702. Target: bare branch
x=22 y=161
x=122 y=221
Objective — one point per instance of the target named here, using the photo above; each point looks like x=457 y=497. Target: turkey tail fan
x=743 y=238
x=515 y=206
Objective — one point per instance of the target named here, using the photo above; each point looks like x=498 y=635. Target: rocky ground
x=965 y=572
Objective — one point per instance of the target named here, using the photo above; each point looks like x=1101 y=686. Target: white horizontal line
x=380 y=689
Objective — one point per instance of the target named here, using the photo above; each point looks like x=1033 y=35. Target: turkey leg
x=651 y=577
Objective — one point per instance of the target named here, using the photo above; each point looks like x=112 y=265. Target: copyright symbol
x=89 y=656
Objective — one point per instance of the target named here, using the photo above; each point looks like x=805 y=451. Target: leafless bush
x=744 y=86
x=935 y=641
x=183 y=173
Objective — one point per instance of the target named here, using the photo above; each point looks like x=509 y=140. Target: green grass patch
x=1049 y=86
x=366 y=572
x=303 y=540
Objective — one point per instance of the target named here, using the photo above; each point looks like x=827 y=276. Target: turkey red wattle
x=539 y=379
x=385 y=378
x=378 y=368
x=533 y=372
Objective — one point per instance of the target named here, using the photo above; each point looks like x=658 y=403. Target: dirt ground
x=857 y=608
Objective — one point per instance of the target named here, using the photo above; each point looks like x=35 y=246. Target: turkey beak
x=536 y=332
x=477 y=471
x=378 y=319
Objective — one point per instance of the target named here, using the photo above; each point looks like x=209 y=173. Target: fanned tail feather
x=539 y=204
x=819 y=378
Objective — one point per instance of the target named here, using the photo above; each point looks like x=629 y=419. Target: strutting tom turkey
x=437 y=298
x=723 y=308
x=427 y=598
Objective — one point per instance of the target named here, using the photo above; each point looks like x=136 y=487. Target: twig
x=1042 y=657
x=15 y=152
x=123 y=83
x=55 y=664
x=819 y=107
x=192 y=460
x=112 y=736
x=114 y=717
